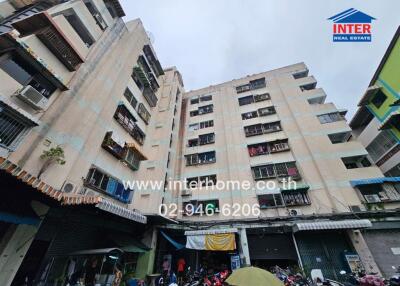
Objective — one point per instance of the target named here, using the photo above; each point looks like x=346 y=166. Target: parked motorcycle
x=395 y=279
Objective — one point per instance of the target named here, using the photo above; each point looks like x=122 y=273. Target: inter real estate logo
x=352 y=26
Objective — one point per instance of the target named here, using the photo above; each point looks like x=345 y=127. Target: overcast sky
x=212 y=41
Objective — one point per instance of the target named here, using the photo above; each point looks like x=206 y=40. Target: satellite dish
x=151 y=37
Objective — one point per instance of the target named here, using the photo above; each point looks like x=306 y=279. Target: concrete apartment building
x=273 y=126
x=85 y=87
x=86 y=106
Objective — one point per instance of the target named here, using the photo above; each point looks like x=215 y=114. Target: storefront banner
x=213 y=242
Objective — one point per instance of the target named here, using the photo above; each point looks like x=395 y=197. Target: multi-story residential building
x=271 y=127
x=376 y=125
x=83 y=97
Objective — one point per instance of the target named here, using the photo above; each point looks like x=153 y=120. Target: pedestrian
x=181 y=269
x=117 y=276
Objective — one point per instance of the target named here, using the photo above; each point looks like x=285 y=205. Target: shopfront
x=269 y=248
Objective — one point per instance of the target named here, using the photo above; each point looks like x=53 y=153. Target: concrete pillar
x=145 y=264
x=363 y=251
x=15 y=245
x=244 y=247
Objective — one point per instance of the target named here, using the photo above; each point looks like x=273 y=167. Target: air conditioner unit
x=32 y=97
x=186 y=192
x=68 y=187
x=372 y=198
x=294 y=212
x=90 y=193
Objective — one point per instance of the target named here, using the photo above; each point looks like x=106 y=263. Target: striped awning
x=391 y=119
x=211 y=231
x=327 y=225
x=355 y=183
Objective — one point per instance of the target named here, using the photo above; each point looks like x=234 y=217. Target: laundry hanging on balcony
x=214 y=240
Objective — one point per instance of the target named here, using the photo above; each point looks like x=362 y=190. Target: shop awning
x=326 y=225
x=211 y=231
x=176 y=244
x=96 y=251
x=129 y=244
x=390 y=120
x=355 y=183
x=28 y=219
x=213 y=239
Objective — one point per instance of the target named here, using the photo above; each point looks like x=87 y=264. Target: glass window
x=194 y=100
x=193 y=127
x=12 y=128
x=270 y=201
x=379 y=99
x=143 y=113
x=330 y=117
x=293 y=198
x=206 y=124
x=206 y=138
x=130 y=97
x=206 y=98
x=381 y=144
x=266 y=111
x=261 y=97
x=394 y=172
x=246 y=100
x=249 y=115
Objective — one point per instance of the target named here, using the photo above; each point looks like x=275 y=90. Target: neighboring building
x=376 y=125
x=75 y=76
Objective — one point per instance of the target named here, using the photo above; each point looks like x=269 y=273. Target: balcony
x=145 y=84
x=9 y=43
x=258 y=129
x=279 y=170
x=43 y=26
x=200 y=158
x=128 y=153
x=127 y=121
x=268 y=148
x=252 y=85
x=152 y=59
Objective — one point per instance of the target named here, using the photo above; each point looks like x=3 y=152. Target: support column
x=363 y=251
x=15 y=245
x=244 y=247
x=146 y=260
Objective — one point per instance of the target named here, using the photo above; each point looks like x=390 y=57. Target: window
x=382 y=143
x=356 y=162
x=127 y=121
x=194 y=100
x=375 y=193
x=309 y=86
x=195 y=207
x=113 y=145
x=269 y=171
x=243 y=88
x=258 y=129
x=257 y=83
x=132 y=159
x=193 y=142
x=101 y=181
x=137 y=80
x=394 y=172
x=130 y=97
x=268 y=147
x=300 y=74
x=206 y=124
x=330 y=117
x=246 y=100
x=267 y=111
x=249 y=115
x=339 y=137
x=13 y=127
x=200 y=158
x=96 y=14
x=143 y=113
x=79 y=27
x=271 y=127
x=25 y=74
x=206 y=109
x=207 y=138
x=194 y=113
x=195 y=182
x=205 y=98
x=193 y=127
x=253 y=130
x=270 y=201
x=379 y=99
x=261 y=97
x=295 y=198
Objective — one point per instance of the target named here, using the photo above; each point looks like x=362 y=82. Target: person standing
x=181 y=270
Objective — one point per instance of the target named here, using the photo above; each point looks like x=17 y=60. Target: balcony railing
x=279 y=170
x=52 y=37
x=127 y=121
x=268 y=148
x=152 y=59
x=258 y=129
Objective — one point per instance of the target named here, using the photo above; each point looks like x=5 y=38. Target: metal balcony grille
x=11 y=129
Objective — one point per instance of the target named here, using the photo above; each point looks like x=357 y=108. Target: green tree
x=50 y=157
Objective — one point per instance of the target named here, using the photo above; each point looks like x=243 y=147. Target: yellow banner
x=220 y=242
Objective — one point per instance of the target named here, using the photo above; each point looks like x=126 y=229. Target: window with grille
x=330 y=117
x=130 y=97
x=382 y=143
x=270 y=201
x=13 y=127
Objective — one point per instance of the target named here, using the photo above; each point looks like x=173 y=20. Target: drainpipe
x=297 y=252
